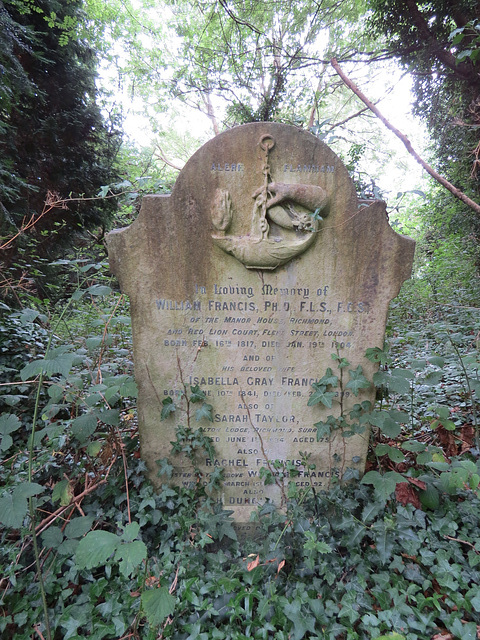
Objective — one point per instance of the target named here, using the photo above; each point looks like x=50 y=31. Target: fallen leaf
x=280 y=566
x=418 y=483
x=253 y=564
x=406 y=494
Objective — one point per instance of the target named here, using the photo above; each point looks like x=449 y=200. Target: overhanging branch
x=408 y=145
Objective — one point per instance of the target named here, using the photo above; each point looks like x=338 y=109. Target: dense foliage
x=396 y=555
x=438 y=42
x=55 y=144
x=88 y=548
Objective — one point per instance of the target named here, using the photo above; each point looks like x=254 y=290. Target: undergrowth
x=90 y=550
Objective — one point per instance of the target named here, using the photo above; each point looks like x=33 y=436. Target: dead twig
x=469 y=544
x=46 y=522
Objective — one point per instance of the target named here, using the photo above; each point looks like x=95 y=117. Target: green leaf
x=475 y=600
x=93 y=343
x=99 y=290
x=109 y=416
x=78 y=527
x=167 y=408
x=62 y=492
x=382 y=449
x=475 y=385
x=301 y=622
x=96 y=548
x=376 y=354
x=328 y=379
x=414 y=445
x=157 y=604
x=433 y=378
x=418 y=365
x=442 y=412
x=52 y=537
x=94 y=448
x=52 y=364
x=8 y=424
x=84 y=426
x=385 y=484
x=393 y=453
x=357 y=380
x=14 y=506
x=384 y=421
x=130 y=532
x=205 y=412
x=197 y=395
x=323 y=430
x=430 y=497
x=397 y=380
x=130 y=555
x=461 y=56
x=437 y=361
x=321 y=395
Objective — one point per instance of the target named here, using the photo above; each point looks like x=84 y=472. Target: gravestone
x=244 y=281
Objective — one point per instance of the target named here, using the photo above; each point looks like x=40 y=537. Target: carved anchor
x=293 y=208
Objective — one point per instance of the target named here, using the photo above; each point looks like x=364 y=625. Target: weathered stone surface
x=236 y=287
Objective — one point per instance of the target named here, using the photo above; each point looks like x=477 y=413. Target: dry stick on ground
x=448 y=185
x=46 y=522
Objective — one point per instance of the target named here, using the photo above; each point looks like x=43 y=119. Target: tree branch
x=161 y=154
x=408 y=145
x=461 y=69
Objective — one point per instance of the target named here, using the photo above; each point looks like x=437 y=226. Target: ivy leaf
x=205 y=411
x=385 y=484
x=357 y=380
x=157 y=604
x=384 y=541
x=328 y=379
x=168 y=407
x=323 y=430
x=321 y=395
x=8 y=424
x=197 y=394
x=96 y=548
x=301 y=622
